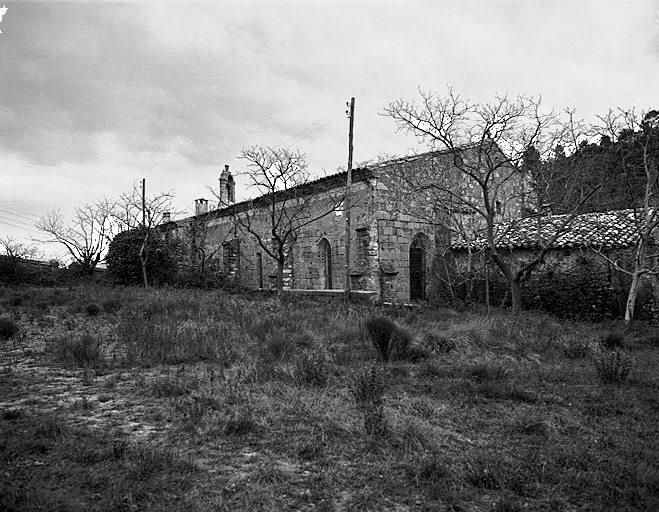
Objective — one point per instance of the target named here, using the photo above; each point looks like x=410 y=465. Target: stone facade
x=392 y=250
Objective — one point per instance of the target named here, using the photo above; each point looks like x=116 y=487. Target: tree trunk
x=631 y=297
x=639 y=265
x=516 y=295
x=143 y=262
x=654 y=280
x=487 y=284
x=280 y=276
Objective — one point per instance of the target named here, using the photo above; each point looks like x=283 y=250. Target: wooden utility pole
x=346 y=202
x=143 y=202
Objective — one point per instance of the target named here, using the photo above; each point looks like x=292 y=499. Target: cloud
x=174 y=90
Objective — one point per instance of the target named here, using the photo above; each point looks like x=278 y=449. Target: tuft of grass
x=240 y=423
x=486 y=372
x=311 y=369
x=92 y=309
x=390 y=340
x=8 y=328
x=613 y=366
x=160 y=336
x=575 y=347
x=613 y=340
x=172 y=386
x=111 y=306
x=440 y=343
x=83 y=351
x=368 y=390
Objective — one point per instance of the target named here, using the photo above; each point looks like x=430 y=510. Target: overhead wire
x=43 y=169
x=14 y=220
x=6 y=223
x=23 y=217
x=311 y=128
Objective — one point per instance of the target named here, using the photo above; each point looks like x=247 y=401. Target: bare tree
x=635 y=140
x=204 y=241
x=131 y=212
x=14 y=252
x=485 y=145
x=286 y=203
x=87 y=237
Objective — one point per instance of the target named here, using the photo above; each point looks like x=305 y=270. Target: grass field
x=132 y=399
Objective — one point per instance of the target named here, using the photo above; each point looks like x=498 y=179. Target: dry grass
x=189 y=400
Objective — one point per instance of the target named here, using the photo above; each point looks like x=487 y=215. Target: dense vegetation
x=614 y=169
x=125 y=264
x=133 y=399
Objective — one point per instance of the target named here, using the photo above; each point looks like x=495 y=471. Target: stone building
x=394 y=233
x=579 y=276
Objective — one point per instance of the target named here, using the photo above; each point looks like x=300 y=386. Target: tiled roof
x=605 y=230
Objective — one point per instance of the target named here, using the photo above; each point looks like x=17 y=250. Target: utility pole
x=143 y=202
x=346 y=201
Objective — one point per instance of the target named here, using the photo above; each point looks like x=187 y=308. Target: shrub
x=92 y=309
x=391 y=341
x=111 y=305
x=613 y=366
x=8 y=328
x=614 y=340
x=368 y=390
x=125 y=266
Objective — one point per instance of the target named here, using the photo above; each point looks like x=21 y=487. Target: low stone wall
x=576 y=283
x=369 y=296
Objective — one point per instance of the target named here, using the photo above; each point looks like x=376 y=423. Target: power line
x=16 y=215
x=16 y=221
x=305 y=132
x=19 y=211
x=18 y=227
x=43 y=169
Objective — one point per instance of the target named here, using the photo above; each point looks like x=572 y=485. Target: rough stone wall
x=395 y=234
x=238 y=257
x=573 y=283
x=307 y=256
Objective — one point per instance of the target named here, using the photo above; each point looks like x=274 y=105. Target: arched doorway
x=418 y=267
x=325 y=251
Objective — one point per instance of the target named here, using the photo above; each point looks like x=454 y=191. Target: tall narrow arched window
x=418 y=265
x=325 y=253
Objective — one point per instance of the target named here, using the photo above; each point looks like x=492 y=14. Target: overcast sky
x=95 y=96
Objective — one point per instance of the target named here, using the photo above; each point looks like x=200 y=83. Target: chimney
x=201 y=206
x=166 y=217
x=227 y=188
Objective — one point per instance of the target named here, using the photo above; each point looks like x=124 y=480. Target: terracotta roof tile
x=603 y=230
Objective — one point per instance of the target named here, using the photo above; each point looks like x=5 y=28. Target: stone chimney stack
x=201 y=206
x=227 y=188
x=166 y=217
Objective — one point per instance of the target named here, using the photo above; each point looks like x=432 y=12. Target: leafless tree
x=286 y=202
x=16 y=250
x=636 y=136
x=14 y=253
x=203 y=242
x=485 y=145
x=131 y=212
x=87 y=237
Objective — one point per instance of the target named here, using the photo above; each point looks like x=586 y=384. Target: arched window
x=325 y=253
x=418 y=265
